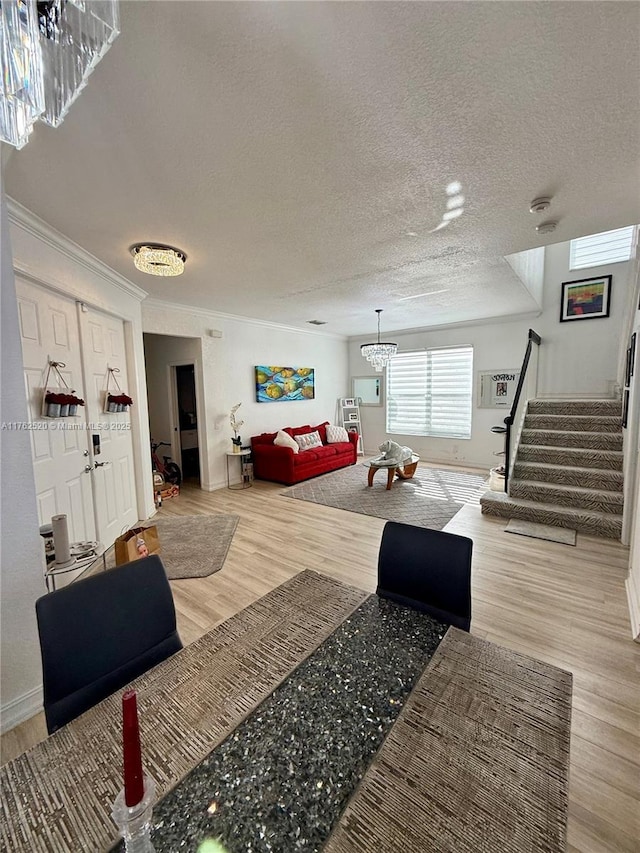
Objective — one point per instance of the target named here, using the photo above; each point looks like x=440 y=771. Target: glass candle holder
x=134 y=822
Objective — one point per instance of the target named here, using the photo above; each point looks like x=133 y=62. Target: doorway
x=174 y=387
x=187 y=417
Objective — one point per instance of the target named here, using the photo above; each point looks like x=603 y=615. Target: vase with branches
x=235 y=426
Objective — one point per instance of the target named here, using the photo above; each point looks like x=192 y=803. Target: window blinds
x=609 y=247
x=429 y=392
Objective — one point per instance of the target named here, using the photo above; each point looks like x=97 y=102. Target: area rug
x=195 y=546
x=430 y=499
x=542 y=531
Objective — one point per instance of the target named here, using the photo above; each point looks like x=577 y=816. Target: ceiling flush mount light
x=155 y=259
x=380 y=352
x=546 y=227
x=49 y=49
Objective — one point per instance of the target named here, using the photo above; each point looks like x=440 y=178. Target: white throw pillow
x=309 y=440
x=336 y=434
x=283 y=439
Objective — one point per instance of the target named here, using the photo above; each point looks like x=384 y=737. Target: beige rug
x=430 y=499
x=195 y=546
x=542 y=531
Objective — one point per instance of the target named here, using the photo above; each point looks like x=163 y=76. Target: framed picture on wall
x=585 y=299
x=633 y=353
x=627 y=372
x=625 y=408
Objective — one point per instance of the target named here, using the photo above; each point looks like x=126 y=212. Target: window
x=429 y=392
x=610 y=247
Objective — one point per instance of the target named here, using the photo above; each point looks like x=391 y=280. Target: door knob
x=99 y=464
x=88 y=469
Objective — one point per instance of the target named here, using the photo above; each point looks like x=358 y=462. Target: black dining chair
x=98 y=634
x=428 y=570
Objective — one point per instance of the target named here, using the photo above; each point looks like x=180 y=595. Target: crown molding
x=207 y=313
x=32 y=224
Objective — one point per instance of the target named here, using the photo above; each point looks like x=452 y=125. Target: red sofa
x=282 y=465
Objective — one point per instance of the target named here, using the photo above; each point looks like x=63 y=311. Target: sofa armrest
x=353 y=438
x=272 y=462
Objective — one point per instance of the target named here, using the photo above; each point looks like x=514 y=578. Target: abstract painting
x=277 y=384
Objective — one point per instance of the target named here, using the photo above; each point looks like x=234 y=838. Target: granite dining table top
x=318 y=718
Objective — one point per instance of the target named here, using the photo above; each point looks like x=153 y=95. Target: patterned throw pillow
x=336 y=434
x=283 y=439
x=309 y=440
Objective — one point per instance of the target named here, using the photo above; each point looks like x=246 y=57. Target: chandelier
x=49 y=49
x=155 y=259
x=380 y=352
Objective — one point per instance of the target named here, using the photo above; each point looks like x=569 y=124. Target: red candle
x=133 y=781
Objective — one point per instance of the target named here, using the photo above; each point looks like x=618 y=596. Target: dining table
x=319 y=718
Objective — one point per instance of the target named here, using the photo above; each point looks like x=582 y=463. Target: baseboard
x=212 y=487
x=633 y=597
x=22 y=708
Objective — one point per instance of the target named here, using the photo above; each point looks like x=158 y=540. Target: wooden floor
x=558 y=603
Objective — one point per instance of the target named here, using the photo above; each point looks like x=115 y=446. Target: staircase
x=568 y=469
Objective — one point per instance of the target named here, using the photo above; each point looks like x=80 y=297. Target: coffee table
x=404 y=471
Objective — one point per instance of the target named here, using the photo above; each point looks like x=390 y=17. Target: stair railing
x=533 y=338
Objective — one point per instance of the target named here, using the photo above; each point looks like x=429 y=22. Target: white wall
x=21 y=549
x=228 y=364
x=579 y=359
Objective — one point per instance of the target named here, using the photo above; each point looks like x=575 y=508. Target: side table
x=246 y=480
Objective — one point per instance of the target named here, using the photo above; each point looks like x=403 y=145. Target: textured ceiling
x=300 y=153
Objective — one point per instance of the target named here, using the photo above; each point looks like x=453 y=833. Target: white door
x=103 y=348
x=59 y=446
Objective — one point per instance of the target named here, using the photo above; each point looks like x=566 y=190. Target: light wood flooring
x=558 y=603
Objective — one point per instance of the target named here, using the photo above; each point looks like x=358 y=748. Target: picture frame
x=353 y=416
x=627 y=371
x=633 y=353
x=497 y=388
x=625 y=408
x=348 y=402
x=585 y=299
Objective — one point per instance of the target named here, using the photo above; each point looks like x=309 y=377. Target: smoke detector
x=539 y=205
x=546 y=227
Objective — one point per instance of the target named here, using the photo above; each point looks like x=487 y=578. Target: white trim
x=195 y=310
x=633 y=597
x=21 y=708
x=32 y=224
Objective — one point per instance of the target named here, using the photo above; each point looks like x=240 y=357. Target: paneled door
x=96 y=491
x=103 y=349
x=59 y=446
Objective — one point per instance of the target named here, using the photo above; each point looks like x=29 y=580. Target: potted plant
x=118 y=402
x=61 y=405
x=235 y=426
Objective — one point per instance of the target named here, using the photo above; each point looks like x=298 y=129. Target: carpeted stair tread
x=575 y=407
x=572 y=439
x=598 y=500
x=573 y=423
x=546 y=472
x=610 y=460
x=583 y=520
